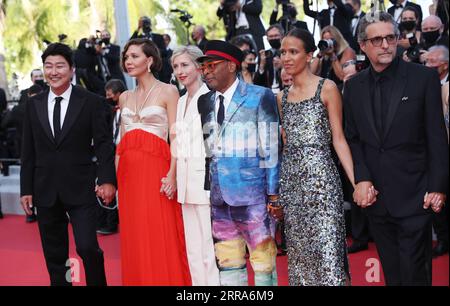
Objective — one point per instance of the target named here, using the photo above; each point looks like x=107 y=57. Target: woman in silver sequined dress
x=311 y=191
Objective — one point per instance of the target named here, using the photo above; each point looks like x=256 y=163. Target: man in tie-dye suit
x=241 y=132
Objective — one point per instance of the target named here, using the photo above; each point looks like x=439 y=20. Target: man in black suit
x=396 y=132
x=357 y=15
x=109 y=57
x=199 y=37
x=144 y=30
x=243 y=19
x=397 y=8
x=338 y=14
x=64 y=128
x=289 y=18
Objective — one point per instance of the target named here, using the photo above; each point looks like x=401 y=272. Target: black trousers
x=404 y=246
x=53 y=227
x=107 y=218
x=440 y=224
x=360 y=225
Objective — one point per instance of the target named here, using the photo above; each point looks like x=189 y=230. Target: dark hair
x=276 y=26
x=58 y=49
x=371 y=18
x=150 y=50
x=412 y=9
x=115 y=85
x=247 y=52
x=305 y=36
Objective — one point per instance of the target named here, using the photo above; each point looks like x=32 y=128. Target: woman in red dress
x=151 y=225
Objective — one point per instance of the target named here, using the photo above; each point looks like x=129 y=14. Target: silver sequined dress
x=312 y=194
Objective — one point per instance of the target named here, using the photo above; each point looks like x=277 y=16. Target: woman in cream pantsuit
x=190 y=154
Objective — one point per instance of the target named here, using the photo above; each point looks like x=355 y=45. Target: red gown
x=151 y=226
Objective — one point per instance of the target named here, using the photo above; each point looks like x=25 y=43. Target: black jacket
x=297 y=24
x=418 y=8
x=66 y=169
x=113 y=59
x=411 y=157
x=342 y=17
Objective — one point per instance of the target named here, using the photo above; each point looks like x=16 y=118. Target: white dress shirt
x=355 y=22
x=228 y=96
x=332 y=11
x=64 y=105
x=241 y=18
x=398 y=11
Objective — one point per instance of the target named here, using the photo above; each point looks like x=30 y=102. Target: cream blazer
x=190 y=152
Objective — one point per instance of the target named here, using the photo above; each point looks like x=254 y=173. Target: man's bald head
x=432 y=23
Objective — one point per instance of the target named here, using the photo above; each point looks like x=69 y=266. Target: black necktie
x=377 y=105
x=57 y=118
x=221 y=113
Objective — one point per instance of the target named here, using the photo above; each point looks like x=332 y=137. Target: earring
x=149 y=68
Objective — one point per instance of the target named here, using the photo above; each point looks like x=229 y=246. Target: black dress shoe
x=357 y=247
x=440 y=249
x=107 y=231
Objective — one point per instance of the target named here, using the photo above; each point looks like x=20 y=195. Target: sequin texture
x=311 y=192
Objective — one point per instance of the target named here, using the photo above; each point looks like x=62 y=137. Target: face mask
x=430 y=37
x=251 y=68
x=275 y=43
x=40 y=83
x=408 y=25
x=106 y=41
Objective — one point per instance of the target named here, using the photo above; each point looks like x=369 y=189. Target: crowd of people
x=250 y=140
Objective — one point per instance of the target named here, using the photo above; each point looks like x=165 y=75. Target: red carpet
x=22 y=261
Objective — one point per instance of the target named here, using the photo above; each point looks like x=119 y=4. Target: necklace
x=137 y=112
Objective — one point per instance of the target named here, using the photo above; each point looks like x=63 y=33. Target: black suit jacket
x=202 y=44
x=252 y=10
x=297 y=24
x=113 y=59
x=342 y=17
x=204 y=108
x=391 y=11
x=65 y=169
x=411 y=157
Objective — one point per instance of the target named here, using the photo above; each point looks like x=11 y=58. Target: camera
x=361 y=62
x=146 y=25
x=271 y=53
x=326 y=44
x=413 y=52
x=184 y=16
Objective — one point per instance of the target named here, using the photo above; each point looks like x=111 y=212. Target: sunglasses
x=378 y=40
x=209 y=66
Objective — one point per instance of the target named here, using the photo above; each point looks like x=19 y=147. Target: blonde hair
x=192 y=51
x=342 y=44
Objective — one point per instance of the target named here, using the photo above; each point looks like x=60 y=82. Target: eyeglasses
x=209 y=66
x=378 y=40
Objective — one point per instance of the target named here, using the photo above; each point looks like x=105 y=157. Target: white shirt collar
x=65 y=95
x=228 y=94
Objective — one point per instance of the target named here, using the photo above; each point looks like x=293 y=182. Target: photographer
x=268 y=74
x=334 y=51
x=289 y=18
x=242 y=17
x=408 y=44
x=86 y=65
x=338 y=14
x=398 y=6
x=144 y=30
x=109 y=57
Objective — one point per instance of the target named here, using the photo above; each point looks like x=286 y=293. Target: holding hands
x=365 y=194
x=169 y=186
x=106 y=192
x=435 y=199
